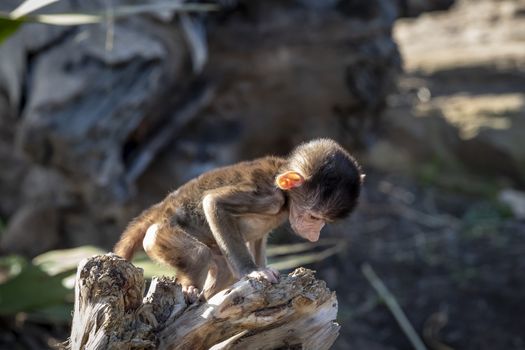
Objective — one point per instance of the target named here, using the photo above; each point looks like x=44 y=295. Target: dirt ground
x=453 y=262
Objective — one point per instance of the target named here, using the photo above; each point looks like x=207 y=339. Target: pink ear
x=289 y=179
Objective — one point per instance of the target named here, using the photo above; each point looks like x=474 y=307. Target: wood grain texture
x=111 y=313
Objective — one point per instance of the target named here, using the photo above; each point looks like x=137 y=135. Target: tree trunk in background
x=111 y=313
x=86 y=111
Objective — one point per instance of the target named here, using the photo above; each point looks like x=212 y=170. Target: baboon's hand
x=267 y=273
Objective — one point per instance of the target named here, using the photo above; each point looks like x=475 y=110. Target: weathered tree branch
x=111 y=313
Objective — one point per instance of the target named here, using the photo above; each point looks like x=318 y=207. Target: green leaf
x=22 y=14
x=60 y=261
x=8 y=27
x=11 y=266
x=67 y=19
x=31 y=289
x=29 y=6
x=287 y=249
x=66 y=261
x=56 y=314
x=11 y=22
x=152 y=268
x=296 y=260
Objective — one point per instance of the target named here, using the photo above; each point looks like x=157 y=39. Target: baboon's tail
x=131 y=238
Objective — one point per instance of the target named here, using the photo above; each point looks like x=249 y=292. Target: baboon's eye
x=315 y=218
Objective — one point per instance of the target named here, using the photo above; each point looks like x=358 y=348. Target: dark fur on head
x=333 y=178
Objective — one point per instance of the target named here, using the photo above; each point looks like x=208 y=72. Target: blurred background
x=107 y=105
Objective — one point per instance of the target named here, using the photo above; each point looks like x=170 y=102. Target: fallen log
x=111 y=313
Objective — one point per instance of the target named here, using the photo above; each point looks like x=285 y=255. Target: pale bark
x=111 y=313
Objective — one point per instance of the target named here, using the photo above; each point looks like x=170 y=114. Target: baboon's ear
x=289 y=179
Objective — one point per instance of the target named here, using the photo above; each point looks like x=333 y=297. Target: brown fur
x=221 y=219
x=132 y=237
